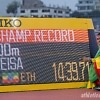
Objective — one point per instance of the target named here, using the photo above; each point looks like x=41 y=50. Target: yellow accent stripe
x=15 y=88
x=52 y=23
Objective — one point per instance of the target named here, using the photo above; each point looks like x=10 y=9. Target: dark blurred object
x=93 y=43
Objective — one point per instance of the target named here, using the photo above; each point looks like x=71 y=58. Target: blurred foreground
x=66 y=94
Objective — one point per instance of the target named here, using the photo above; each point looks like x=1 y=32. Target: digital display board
x=36 y=51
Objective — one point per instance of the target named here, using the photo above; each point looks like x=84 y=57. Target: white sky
x=70 y=3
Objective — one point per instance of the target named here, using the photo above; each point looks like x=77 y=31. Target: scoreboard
x=44 y=53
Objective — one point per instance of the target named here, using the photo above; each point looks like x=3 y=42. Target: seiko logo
x=10 y=23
